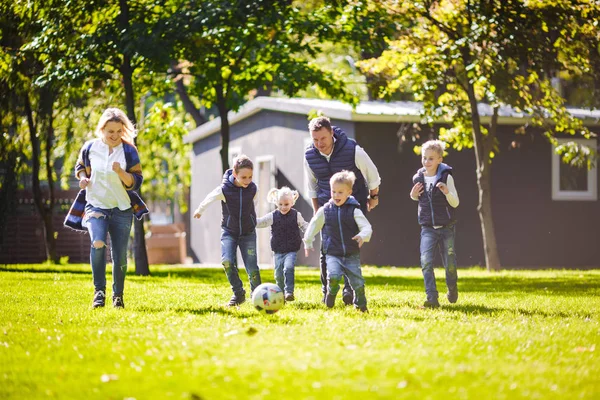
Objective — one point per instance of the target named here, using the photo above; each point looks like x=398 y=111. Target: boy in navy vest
x=345 y=229
x=238 y=195
x=437 y=196
x=286 y=238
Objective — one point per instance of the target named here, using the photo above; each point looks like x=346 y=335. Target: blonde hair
x=275 y=195
x=436 y=145
x=242 y=161
x=116 y=115
x=344 y=177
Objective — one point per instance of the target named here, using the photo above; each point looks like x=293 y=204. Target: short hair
x=242 y=161
x=436 y=145
x=320 y=122
x=275 y=195
x=344 y=177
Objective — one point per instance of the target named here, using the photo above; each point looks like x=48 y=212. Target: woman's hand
x=83 y=182
x=116 y=166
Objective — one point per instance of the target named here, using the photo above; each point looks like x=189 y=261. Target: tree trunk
x=188 y=104
x=483 y=146
x=222 y=106
x=46 y=106
x=8 y=180
x=140 y=254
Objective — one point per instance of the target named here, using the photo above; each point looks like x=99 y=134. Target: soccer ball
x=267 y=298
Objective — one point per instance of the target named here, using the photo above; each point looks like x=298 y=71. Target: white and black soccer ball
x=268 y=298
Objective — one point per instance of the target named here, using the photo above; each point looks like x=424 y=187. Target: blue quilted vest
x=285 y=232
x=342 y=158
x=340 y=227
x=434 y=209
x=239 y=216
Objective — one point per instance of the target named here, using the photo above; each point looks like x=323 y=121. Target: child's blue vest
x=340 y=227
x=434 y=209
x=342 y=158
x=285 y=233
x=239 y=216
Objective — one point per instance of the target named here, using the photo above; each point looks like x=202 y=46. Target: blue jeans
x=431 y=239
x=117 y=223
x=349 y=266
x=247 y=245
x=323 y=260
x=284 y=270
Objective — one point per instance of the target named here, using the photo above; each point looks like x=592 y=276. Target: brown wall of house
x=532 y=230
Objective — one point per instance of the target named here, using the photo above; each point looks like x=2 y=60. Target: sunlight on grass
x=514 y=334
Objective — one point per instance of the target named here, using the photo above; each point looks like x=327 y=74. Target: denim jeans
x=347 y=287
x=350 y=266
x=284 y=270
x=431 y=239
x=247 y=244
x=117 y=224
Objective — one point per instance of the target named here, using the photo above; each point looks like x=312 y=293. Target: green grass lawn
x=520 y=334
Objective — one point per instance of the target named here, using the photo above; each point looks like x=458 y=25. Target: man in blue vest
x=333 y=151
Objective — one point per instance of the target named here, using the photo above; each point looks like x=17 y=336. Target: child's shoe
x=348 y=298
x=330 y=300
x=99 y=298
x=431 y=304
x=289 y=297
x=363 y=309
x=118 y=302
x=452 y=295
x=236 y=300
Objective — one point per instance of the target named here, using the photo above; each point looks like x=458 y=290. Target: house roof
x=366 y=111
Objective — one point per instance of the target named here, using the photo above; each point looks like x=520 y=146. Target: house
x=546 y=214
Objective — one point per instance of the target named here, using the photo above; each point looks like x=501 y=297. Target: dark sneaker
x=99 y=298
x=118 y=302
x=362 y=309
x=452 y=296
x=431 y=304
x=329 y=300
x=236 y=300
x=348 y=298
x=289 y=297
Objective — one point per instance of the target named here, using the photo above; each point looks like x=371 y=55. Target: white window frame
x=592 y=176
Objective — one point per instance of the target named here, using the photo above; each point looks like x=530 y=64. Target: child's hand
x=197 y=214
x=307 y=252
x=443 y=187
x=359 y=240
x=83 y=182
x=417 y=190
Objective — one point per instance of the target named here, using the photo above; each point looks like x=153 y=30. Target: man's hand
x=372 y=203
x=443 y=187
x=417 y=190
x=359 y=240
x=83 y=182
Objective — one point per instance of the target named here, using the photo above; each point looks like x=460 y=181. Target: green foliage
x=519 y=334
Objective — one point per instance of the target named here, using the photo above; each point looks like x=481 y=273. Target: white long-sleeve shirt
x=267 y=220
x=105 y=189
x=217 y=195
x=363 y=162
x=452 y=195
x=318 y=221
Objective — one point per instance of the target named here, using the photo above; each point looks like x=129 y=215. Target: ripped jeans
x=117 y=223
x=431 y=239
x=247 y=244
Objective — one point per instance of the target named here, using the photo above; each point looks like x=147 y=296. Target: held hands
x=417 y=190
x=443 y=187
x=83 y=182
x=359 y=240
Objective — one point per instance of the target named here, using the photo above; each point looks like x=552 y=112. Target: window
x=571 y=183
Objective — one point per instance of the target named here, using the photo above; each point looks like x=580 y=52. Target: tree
x=455 y=55
x=236 y=47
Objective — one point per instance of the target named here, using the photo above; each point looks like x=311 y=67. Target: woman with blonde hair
x=286 y=239
x=109 y=173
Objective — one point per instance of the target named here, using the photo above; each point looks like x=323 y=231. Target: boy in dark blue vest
x=345 y=229
x=286 y=238
x=238 y=195
x=437 y=196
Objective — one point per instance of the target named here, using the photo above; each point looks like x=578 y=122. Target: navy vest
x=340 y=227
x=239 y=216
x=285 y=232
x=342 y=158
x=434 y=209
